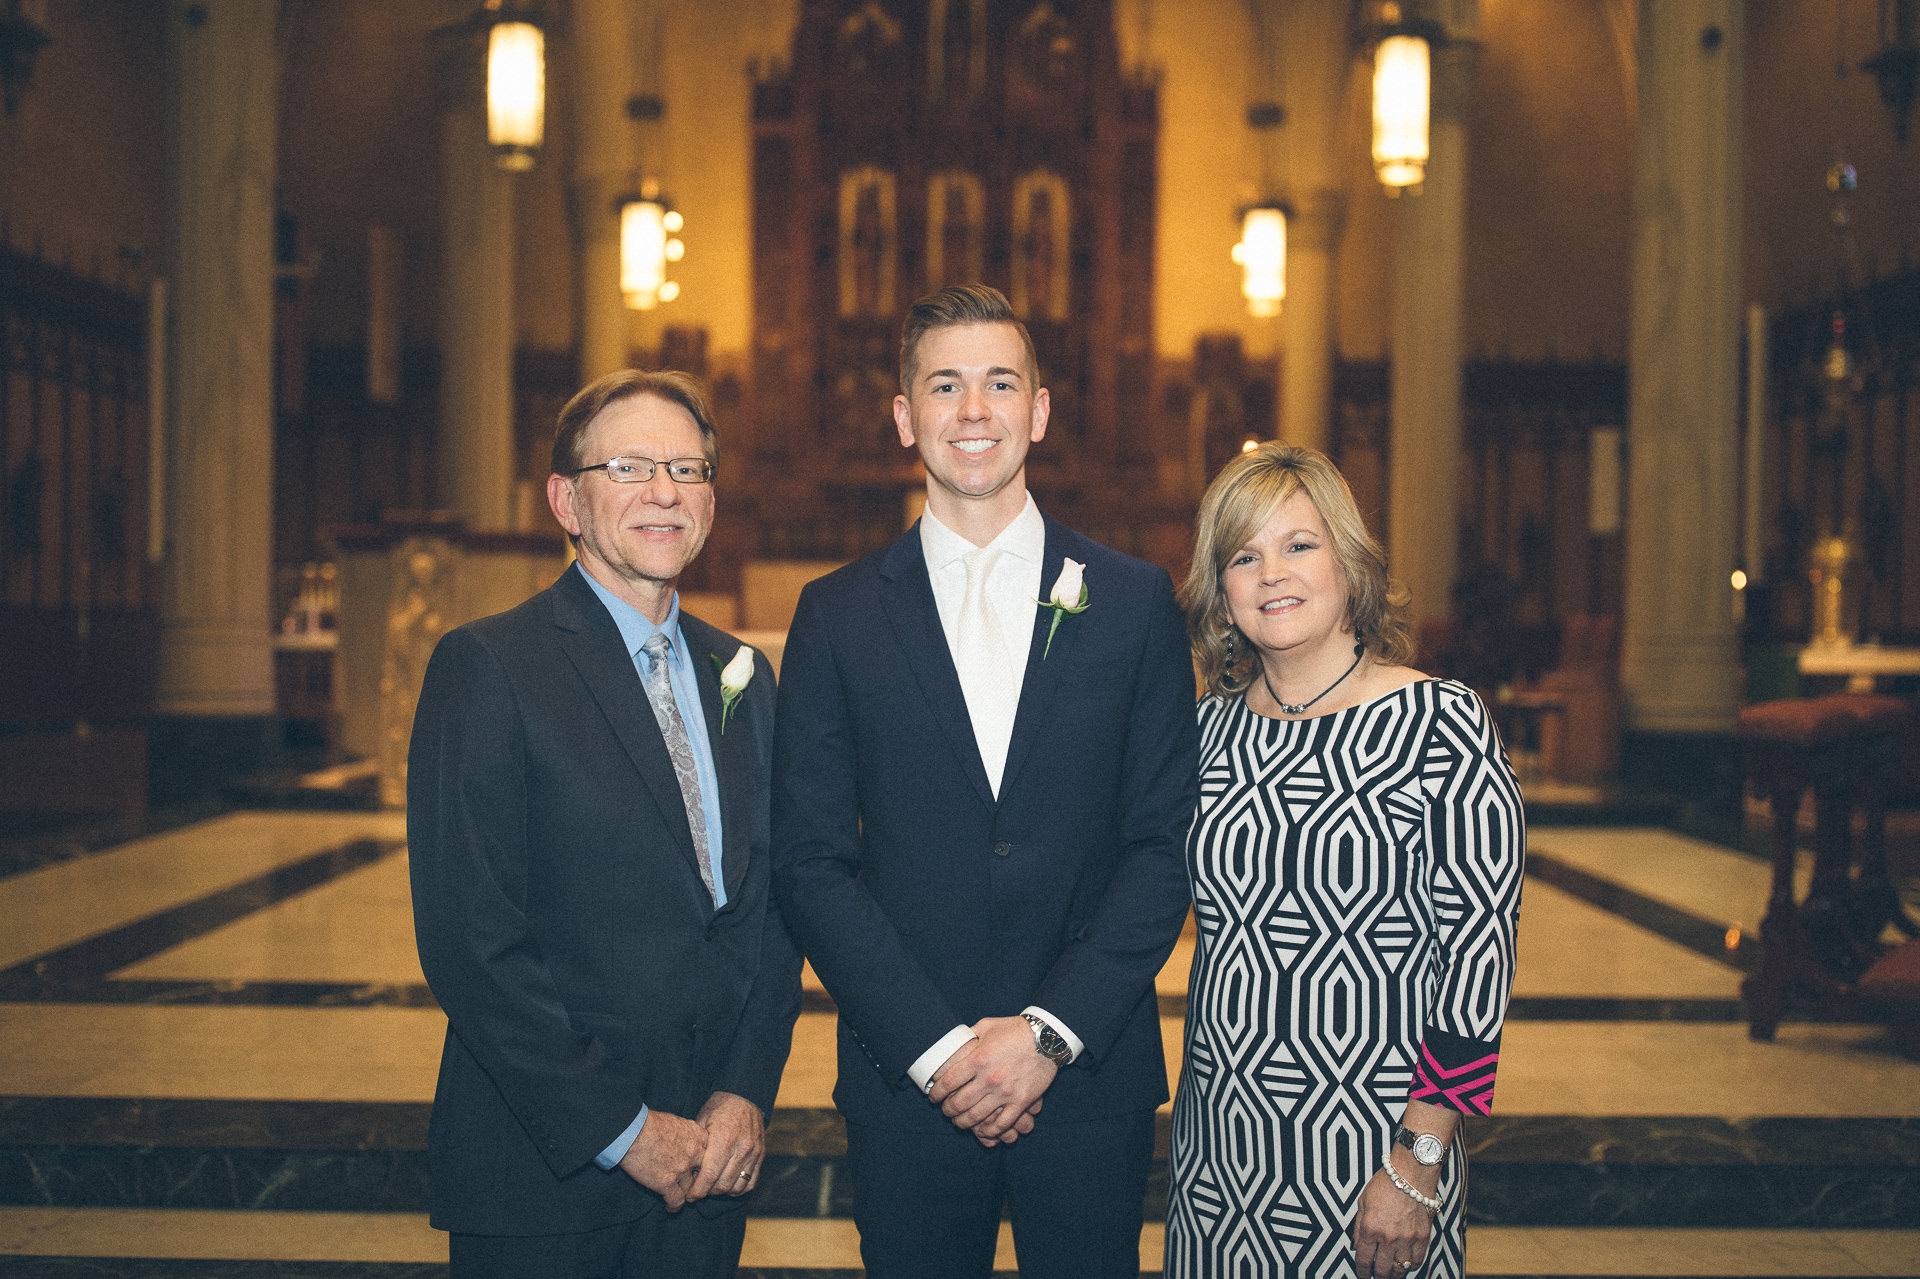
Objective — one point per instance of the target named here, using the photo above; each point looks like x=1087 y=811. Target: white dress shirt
x=1013 y=592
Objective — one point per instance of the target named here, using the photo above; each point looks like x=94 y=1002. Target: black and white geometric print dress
x=1356 y=884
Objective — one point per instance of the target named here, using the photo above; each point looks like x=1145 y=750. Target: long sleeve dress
x=1356 y=882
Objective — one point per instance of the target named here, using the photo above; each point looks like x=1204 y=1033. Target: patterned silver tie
x=674 y=729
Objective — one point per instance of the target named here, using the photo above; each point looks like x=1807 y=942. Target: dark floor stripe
x=259 y=994
x=1615 y=1140
x=79 y=973
x=31 y=843
x=113 y=1268
x=1705 y=937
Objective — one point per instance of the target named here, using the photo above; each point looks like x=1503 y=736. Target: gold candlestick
x=1828 y=575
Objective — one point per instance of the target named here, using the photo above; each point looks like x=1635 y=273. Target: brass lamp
x=1402 y=100
x=1262 y=258
x=647 y=244
x=516 y=91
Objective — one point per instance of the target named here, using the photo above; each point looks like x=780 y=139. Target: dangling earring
x=1231 y=655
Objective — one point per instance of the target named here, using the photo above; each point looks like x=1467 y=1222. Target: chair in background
x=1842 y=748
x=1576 y=705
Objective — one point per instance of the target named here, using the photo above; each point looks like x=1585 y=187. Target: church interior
x=1611 y=320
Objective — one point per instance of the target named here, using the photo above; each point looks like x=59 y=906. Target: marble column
x=1306 y=320
x=606 y=165
x=1680 y=657
x=1429 y=256
x=215 y=695
x=1314 y=55
x=476 y=305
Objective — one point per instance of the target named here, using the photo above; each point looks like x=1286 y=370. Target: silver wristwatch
x=1428 y=1150
x=1048 y=1042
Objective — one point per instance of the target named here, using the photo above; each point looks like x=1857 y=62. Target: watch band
x=1428 y=1150
x=1048 y=1042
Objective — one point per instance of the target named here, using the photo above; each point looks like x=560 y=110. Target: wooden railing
x=77 y=593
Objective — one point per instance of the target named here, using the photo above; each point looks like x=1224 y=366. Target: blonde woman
x=1356 y=865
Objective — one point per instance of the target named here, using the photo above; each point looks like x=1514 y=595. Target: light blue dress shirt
x=635 y=630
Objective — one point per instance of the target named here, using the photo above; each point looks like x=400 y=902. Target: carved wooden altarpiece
x=910 y=144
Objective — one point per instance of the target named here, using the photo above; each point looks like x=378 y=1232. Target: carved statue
x=417 y=610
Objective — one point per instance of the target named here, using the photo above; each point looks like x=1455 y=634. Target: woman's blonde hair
x=1239 y=502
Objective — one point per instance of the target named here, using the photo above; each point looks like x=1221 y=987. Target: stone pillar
x=606 y=164
x=1313 y=55
x=1680 y=658
x=476 y=307
x=1429 y=265
x=215 y=696
x=1306 y=320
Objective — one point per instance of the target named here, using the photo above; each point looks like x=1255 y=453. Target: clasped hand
x=716 y=1153
x=992 y=1086
x=1391 y=1233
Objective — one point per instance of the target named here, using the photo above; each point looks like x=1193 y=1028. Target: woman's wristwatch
x=1428 y=1150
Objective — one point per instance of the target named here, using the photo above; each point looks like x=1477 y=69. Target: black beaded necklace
x=1358 y=651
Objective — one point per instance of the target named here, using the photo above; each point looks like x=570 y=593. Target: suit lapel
x=1044 y=675
x=906 y=592
x=592 y=643
x=732 y=753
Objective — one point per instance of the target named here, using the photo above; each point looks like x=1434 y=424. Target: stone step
x=1528 y=1170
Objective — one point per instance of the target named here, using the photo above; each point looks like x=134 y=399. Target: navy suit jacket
x=922 y=901
x=561 y=917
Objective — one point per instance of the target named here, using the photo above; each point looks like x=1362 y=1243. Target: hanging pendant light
x=1262 y=258
x=1402 y=98
x=516 y=92
x=647 y=244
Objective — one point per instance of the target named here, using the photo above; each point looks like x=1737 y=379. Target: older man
x=587 y=812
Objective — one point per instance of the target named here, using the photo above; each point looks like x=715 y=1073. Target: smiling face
x=635 y=539
x=972 y=411
x=1283 y=586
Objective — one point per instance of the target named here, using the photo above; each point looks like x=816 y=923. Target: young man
x=979 y=827
x=588 y=827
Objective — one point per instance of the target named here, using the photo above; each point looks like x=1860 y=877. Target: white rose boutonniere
x=734 y=678
x=1068 y=598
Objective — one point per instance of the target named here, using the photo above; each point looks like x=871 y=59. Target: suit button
x=1002 y=848
x=713 y=930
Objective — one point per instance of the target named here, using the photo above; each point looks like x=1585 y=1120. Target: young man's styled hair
x=954 y=306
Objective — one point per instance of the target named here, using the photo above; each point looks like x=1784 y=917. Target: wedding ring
x=743 y=1176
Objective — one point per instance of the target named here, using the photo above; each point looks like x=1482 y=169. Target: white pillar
x=216 y=655
x=1306 y=320
x=605 y=165
x=1314 y=56
x=476 y=312
x=1429 y=261
x=1680 y=659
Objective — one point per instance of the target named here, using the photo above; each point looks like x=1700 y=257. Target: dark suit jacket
x=922 y=902
x=561 y=918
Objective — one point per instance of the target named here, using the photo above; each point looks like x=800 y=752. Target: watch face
x=1427 y=1149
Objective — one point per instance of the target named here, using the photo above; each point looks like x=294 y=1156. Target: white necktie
x=986 y=672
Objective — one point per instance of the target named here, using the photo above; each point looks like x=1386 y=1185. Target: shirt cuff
x=610 y=1158
x=1073 y=1040
x=928 y=1064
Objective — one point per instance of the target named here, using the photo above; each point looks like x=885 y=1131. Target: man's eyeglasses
x=638 y=470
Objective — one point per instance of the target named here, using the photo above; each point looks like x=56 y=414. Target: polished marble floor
x=217 y=1050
